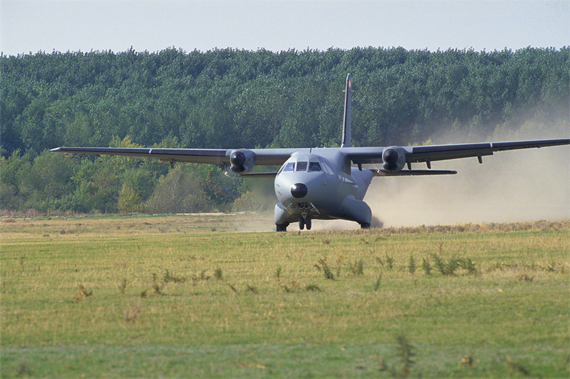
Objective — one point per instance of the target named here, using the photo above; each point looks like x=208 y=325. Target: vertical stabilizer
x=346 y=121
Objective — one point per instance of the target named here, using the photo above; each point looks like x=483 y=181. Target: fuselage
x=320 y=185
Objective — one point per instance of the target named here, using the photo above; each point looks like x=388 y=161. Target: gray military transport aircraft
x=321 y=183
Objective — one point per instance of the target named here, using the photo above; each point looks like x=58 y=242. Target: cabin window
x=301 y=166
x=314 y=166
x=289 y=167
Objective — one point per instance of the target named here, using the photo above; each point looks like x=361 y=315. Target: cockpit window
x=301 y=166
x=327 y=169
x=314 y=166
x=289 y=167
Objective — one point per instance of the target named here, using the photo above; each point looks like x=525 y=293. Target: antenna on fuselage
x=346 y=121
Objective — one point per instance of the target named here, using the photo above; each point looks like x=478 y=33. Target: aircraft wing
x=412 y=154
x=443 y=152
x=208 y=156
x=358 y=155
x=212 y=156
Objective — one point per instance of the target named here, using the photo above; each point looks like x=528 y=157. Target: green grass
x=191 y=296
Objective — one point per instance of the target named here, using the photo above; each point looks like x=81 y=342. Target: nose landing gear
x=305 y=222
x=305 y=218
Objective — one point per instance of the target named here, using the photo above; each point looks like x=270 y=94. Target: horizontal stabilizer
x=413 y=172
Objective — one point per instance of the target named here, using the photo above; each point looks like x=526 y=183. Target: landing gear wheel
x=281 y=227
x=302 y=223
x=364 y=226
x=308 y=222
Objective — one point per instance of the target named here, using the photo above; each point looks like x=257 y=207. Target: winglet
x=346 y=120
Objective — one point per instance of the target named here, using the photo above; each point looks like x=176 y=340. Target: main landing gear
x=304 y=222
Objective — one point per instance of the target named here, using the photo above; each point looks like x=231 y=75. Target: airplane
x=322 y=183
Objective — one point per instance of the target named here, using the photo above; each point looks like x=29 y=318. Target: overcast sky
x=153 y=25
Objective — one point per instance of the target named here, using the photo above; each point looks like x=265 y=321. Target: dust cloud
x=510 y=186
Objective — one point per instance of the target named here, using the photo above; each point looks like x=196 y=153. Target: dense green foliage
x=232 y=98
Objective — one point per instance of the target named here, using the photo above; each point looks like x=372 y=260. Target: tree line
x=235 y=98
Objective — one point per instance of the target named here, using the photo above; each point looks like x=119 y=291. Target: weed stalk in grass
x=445 y=268
x=377 y=284
x=452 y=265
x=155 y=286
x=389 y=261
x=313 y=287
x=448 y=268
x=326 y=269
x=440 y=247
x=202 y=276
x=357 y=268
x=405 y=353
x=294 y=286
x=468 y=264
x=168 y=277
x=251 y=289
x=22 y=261
x=526 y=278
x=412 y=265
x=122 y=286
x=233 y=288
x=82 y=293
x=426 y=266
x=439 y=264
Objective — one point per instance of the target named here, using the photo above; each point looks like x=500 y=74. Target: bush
x=178 y=192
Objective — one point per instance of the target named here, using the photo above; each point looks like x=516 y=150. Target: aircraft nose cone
x=299 y=190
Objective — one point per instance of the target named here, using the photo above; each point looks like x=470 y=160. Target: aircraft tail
x=346 y=120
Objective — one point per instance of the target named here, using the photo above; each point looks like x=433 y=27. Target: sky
x=29 y=26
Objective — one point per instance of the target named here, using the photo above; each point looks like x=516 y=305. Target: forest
x=244 y=99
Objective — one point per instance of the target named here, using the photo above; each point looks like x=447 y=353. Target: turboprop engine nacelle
x=242 y=161
x=394 y=159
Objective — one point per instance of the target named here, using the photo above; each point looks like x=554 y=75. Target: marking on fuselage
x=346 y=180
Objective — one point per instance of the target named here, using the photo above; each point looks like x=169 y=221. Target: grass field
x=194 y=296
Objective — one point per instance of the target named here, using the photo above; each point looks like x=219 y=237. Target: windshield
x=303 y=166
x=289 y=167
x=314 y=166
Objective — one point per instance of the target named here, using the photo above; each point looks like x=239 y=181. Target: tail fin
x=346 y=121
